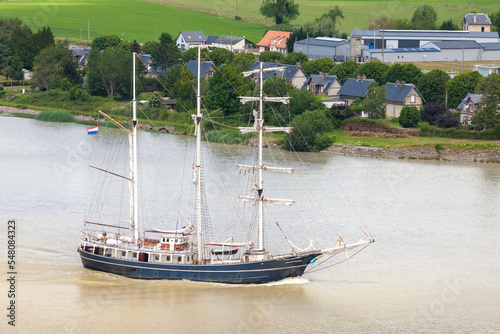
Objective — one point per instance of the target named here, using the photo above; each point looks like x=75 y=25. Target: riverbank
x=418 y=152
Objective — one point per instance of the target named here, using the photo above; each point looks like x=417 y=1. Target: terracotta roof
x=275 y=38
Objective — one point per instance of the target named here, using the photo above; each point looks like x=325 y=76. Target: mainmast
x=259 y=127
x=134 y=216
x=197 y=167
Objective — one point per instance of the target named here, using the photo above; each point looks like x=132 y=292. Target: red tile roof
x=275 y=38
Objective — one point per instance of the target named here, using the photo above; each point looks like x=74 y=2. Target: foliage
x=103 y=42
x=165 y=53
x=424 y=18
x=185 y=94
x=341 y=113
x=430 y=112
x=432 y=86
x=325 y=25
x=433 y=131
x=373 y=69
x=295 y=57
x=282 y=11
x=439 y=148
x=345 y=70
x=78 y=93
x=4 y=50
x=449 y=25
x=374 y=101
x=243 y=61
x=310 y=132
x=53 y=64
x=495 y=21
x=271 y=56
x=109 y=72
x=189 y=54
x=227 y=137
x=488 y=115
x=459 y=86
x=135 y=47
x=15 y=69
x=403 y=72
x=448 y=120
x=220 y=56
x=279 y=114
x=315 y=66
x=155 y=101
x=172 y=80
x=55 y=116
x=224 y=87
x=381 y=22
x=409 y=117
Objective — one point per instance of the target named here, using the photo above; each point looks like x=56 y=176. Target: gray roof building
x=475 y=98
x=319 y=47
x=322 y=83
x=206 y=68
x=479 y=18
x=186 y=39
x=293 y=74
x=354 y=88
x=398 y=92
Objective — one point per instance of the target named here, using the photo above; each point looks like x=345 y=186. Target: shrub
x=227 y=136
x=310 y=132
x=409 y=117
x=55 y=116
x=155 y=101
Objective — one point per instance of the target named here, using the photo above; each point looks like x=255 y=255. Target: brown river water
x=434 y=268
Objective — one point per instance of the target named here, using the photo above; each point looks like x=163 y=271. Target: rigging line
x=314 y=269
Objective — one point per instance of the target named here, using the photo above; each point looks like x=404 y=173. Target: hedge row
x=432 y=131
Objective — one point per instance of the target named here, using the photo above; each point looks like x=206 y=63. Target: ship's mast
x=134 y=216
x=259 y=127
x=197 y=167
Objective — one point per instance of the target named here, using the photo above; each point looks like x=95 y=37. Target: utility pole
x=88 y=30
x=463 y=55
x=383 y=42
x=307 y=45
x=155 y=32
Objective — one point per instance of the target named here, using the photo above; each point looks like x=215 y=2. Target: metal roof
x=465 y=44
x=395 y=50
x=230 y=40
x=289 y=73
x=398 y=92
x=436 y=34
x=322 y=41
x=193 y=36
x=192 y=65
x=491 y=46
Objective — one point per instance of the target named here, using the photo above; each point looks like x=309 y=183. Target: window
x=123 y=253
x=168 y=258
x=179 y=259
x=157 y=257
x=134 y=254
x=412 y=98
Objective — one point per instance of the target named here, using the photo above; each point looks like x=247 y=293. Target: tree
x=108 y=41
x=185 y=94
x=282 y=11
x=324 y=65
x=21 y=46
x=432 y=86
x=109 y=72
x=4 y=51
x=495 y=21
x=243 y=61
x=373 y=69
x=459 y=86
x=165 y=53
x=488 y=115
x=341 y=113
x=310 y=131
x=409 y=117
x=271 y=56
x=424 y=18
x=381 y=22
x=135 y=47
x=449 y=25
x=295 y=57
x=403 y=72
x=44 y=38
x=325 y=25
x=374 y=101
x=53 y=64
x=224 y=87
x=15 y=69
x=432 y=111
x=346 y=69
x=220 y=56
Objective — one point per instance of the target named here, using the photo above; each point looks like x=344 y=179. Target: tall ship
x=186 y=253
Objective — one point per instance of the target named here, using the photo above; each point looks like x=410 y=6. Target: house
x=27 y=74
x=323 y=83
x=148 y=62
x=354 y=89
x=207 y=68
x=476 y=22
x=336 y=101
x=233 y=43
x=399 y=95
x=187 y=39
x=468 y=107
x=334 y=48
x=81 y=55
x=294 y=74
x=274 y=40
x=404 y=39
x=486 y=70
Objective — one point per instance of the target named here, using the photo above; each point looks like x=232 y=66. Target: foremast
x=134 y=214
x=260 y=129
x=197 y=166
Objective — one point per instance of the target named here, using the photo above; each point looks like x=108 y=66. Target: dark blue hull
x=243 y=273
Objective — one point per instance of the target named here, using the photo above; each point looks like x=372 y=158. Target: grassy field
x=356 y=13
x=135 y=19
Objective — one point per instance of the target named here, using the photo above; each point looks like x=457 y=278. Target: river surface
x=434 y=268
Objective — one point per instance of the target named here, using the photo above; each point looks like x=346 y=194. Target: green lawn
x=135 y=19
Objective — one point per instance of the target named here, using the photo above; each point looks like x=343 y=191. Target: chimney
x=363 y=77
x=358 y=77
x=257 y=60
x=320 y=73
x=474 y=18
x=202 y=60
x=276 y=62
x=403 y=83
x=396 y=83
x=326 y=75
x=297 y=65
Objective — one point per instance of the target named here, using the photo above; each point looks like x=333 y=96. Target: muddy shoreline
x=407 y=152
